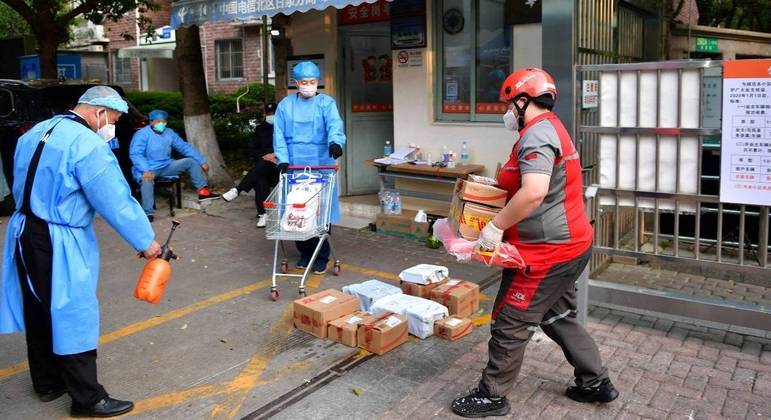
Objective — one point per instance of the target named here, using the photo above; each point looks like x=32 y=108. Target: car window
x=6 y=103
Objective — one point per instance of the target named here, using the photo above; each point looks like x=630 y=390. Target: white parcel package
x=421 y=313
x=424 y=274
x=370 y=291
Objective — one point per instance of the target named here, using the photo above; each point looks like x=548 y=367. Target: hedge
x=234 y=130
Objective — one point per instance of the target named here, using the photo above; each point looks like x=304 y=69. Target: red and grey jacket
x=558 y=230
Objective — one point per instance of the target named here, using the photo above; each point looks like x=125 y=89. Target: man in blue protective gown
x=150 y=153
x=308 y=130
x=65 y=173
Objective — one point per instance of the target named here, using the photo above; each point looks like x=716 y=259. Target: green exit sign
x=706 y=45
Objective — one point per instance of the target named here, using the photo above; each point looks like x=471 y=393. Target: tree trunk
x=48 y=43
x=195 y=104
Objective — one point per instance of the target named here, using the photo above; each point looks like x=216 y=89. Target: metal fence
x=680 y=220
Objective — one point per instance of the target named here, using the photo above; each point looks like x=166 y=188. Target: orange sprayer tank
x=156 y=274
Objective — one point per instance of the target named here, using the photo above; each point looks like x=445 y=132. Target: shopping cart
x=299 y=209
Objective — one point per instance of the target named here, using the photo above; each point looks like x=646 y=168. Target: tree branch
x=82 y=8
x=22 y=8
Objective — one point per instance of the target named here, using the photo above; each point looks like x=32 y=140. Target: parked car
x=22 y=105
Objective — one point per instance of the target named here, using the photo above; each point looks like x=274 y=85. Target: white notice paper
x=745 y=157
x=327 y=300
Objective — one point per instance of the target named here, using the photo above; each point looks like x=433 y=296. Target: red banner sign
x=365 y=13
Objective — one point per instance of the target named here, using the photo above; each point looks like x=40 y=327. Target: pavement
x=218 y=347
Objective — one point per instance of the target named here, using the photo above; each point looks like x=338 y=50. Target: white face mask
x=269 y=119
x=510 y=120
x=308 y=91
x=107 y=131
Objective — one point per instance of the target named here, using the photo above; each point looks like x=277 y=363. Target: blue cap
x=305 y=70
x=158 y=114
x=104 y=96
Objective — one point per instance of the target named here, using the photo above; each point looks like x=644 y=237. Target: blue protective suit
x=303 y=129
x=77 y=177
x=151 y=151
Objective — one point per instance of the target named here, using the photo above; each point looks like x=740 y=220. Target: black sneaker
x=106 y=407
x=320 y=268
x=605 y=392
x=51 y=395
x=302 y=264
x=479 y=404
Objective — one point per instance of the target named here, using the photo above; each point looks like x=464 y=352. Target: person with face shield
x=264 y=174
x=545 y=219
x=308 y=131
x=64 y=174
x=150 y=153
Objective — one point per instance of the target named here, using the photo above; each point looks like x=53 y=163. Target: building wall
x=731 y=42
x=252 y=56
x=115 y=31
x=209 y=33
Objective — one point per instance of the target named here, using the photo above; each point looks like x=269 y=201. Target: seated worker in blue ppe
x=151 y=155
x=264 y=174
x=308 y=131
x=65 y=173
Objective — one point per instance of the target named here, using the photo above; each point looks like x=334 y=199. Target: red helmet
x=528 y=81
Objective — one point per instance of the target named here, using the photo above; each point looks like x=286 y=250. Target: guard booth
x=683 y=180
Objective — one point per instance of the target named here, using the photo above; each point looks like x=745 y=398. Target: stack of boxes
x=473 y=206
x=338 y=316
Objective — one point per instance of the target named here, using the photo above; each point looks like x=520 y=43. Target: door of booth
x=367 y=103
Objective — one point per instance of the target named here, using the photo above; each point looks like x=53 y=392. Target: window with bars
x=230 y=59
x=121 y=70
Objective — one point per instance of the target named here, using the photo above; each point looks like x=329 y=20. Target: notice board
x=745 y=152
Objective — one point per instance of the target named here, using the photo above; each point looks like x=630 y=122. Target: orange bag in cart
x=156 y=274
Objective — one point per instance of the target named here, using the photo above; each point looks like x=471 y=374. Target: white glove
x=490 y=238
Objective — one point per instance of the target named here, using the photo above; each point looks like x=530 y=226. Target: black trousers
x=262 y=178
x=49 y=371
x=306 y=249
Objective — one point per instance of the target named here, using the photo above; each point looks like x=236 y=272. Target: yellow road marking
x=482 y=320
x=13 y=370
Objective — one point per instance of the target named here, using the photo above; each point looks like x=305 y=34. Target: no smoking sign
x=412 y=58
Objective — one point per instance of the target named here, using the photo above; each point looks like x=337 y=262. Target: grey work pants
x=550 y=303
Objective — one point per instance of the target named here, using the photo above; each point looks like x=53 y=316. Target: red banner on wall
x=365 y=13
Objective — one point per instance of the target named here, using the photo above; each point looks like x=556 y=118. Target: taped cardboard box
x=460 y=297
x=475 y=192
x=453 y=327
x=403 y=225
x=420 y=290
x=345 y=330
x=382 y=333
x=313 y=313
x=468 y=219
x=421 y=313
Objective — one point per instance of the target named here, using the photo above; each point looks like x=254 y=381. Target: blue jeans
x=175 y=168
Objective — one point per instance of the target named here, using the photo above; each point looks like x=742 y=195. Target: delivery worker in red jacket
x=545 y=218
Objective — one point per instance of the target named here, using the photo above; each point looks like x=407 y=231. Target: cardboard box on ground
x=313 y=313
x=473 y=206
x=420 y=290
x=459 y=296
x=345 y=330
x=453 y=327
x=382 y=333
x=403 y=225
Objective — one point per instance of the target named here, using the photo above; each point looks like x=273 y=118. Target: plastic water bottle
x=387 y=150
x=464 y=158
x=445 y=155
